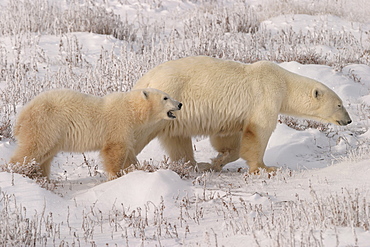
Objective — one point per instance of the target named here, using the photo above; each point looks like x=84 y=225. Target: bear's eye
x=339 y=106
x=165 y=98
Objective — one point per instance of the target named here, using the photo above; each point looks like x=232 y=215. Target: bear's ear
x=145 y=94
x=316 y=93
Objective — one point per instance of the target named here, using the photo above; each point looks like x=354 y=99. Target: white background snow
x=321 y=195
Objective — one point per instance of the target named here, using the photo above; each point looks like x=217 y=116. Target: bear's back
x=218 y=95
x=74 y=116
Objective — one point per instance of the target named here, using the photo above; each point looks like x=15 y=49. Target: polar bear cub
x=66 y=120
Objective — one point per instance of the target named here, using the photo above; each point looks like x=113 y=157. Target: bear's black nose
x=180 y=105
x=349 y=121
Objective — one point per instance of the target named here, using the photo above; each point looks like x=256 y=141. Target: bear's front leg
x=114 y=157
x=253 y=146
x=178 y=148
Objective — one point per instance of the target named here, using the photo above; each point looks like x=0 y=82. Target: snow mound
x=29 y=194
x=136 y=189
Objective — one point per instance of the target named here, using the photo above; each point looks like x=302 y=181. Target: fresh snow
x=229 y=208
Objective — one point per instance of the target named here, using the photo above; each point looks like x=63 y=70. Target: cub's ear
x=145 y=94
x=316 y=93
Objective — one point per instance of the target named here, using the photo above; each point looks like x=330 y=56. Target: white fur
x=237 y=105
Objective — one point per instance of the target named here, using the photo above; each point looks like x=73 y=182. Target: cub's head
x=161 y=104
x=327 y=106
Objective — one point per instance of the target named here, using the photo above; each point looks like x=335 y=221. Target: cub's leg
x=46 y=165
x=117 y=156
x=228 y=148
x=39 y=131
x=26 y=153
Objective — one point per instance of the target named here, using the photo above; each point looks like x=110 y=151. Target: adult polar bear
x=237 y=105
x=65 y=120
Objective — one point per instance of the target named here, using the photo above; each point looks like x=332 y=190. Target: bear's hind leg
x=45 y=166
x=25 y=154
x=228 y=148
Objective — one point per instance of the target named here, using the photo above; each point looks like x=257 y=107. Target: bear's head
x=327 y=106
x=161 y=104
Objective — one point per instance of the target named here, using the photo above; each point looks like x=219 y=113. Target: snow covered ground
x=320 y=197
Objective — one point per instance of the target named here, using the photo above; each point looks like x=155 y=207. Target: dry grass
x=303 y=124
x=230 y=32
x=342 y=8
x=299 y=222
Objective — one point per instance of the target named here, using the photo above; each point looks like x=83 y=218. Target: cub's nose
x=349 y=121
x=180 y=105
